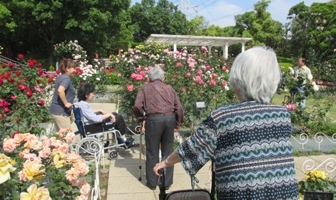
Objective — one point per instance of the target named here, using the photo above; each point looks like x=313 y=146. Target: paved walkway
x=124 y=170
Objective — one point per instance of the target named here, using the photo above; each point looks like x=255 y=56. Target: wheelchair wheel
x=113 y=154
x=89 y=148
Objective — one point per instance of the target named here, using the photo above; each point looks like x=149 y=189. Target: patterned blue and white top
x=250 y=145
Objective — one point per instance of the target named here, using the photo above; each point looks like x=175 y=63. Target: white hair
x=156 y=73
x=255 y=74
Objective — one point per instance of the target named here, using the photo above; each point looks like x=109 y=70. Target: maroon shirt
x=157 y=97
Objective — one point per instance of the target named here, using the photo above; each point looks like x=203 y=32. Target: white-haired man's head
x=156 y=73
x=255 y=75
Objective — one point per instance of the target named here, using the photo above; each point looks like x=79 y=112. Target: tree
x=259 y=25
x=313 y=29
x=162 y=18
x=197 y=26
x=38 y=25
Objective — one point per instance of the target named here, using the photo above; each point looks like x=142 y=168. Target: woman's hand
x=68 y=105
x=159 y=166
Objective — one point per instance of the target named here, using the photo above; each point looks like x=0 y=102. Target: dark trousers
x=159 y=130
x=119 y=124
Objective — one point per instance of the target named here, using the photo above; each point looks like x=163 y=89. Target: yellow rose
x=59 y=159
x=32 y=170
x=320 y=174
x=5 y=168
x=34 y=193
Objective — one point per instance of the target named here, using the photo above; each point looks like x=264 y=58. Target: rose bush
x=193 y=73
x=42 y=168
x=23 y=96
x=89 y=73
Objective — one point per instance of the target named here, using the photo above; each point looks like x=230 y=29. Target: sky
x=222 y=12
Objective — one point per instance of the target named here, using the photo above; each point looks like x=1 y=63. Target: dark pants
x=159 y=130
x=119 y=124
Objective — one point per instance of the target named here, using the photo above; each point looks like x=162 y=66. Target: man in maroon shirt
x=160 y=105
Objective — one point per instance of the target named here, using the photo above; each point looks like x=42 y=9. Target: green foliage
x=313 y=119
x=199 y=78
x=162 y=17
x=23 y=95
x=111 y=78
x=259 y=25
x=313 y=29
x=51 y=68
x=41 y=24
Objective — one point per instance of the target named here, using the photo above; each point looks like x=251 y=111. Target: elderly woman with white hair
x=249 y=142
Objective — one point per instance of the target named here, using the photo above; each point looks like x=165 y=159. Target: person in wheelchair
x=85 y=94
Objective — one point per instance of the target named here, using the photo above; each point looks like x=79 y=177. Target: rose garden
x=33 y=163
x=108 y=40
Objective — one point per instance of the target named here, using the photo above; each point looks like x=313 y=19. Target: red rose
x=50 y=80
x=58 y=71
x=6 y=110
x=31 y=63
x=5 y=103
x=39 y=82
x=39 y=65
x=21 y=87
x=41 y=102
x=1 y=81
x=3 y=65
x=29 y=93
x=20 y=56
x=13 y=98
x=7 y=75
x=18 y=73
x=82 y=83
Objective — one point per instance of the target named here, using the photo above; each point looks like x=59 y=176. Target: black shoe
x=129 y=145
x=150 y=187
x=129 y=140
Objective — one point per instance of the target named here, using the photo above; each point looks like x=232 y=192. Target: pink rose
x=212 y=82
x=214 y=76
x=130 y=87
x=178 y=64
x=188 y=74
x=224 y=69
x=199 y=72
x=224 y=83
x=207 y=67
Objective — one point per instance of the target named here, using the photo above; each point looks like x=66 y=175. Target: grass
x=312 y=153
x=278 y=99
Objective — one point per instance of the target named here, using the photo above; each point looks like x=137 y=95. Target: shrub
x=195 y=76
x=23 y=100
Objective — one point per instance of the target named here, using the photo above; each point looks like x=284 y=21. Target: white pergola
x=189 y=40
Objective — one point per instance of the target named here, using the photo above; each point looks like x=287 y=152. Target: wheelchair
x=93 y=136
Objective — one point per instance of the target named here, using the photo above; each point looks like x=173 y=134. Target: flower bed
x=42 y=168
x=23 y=96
